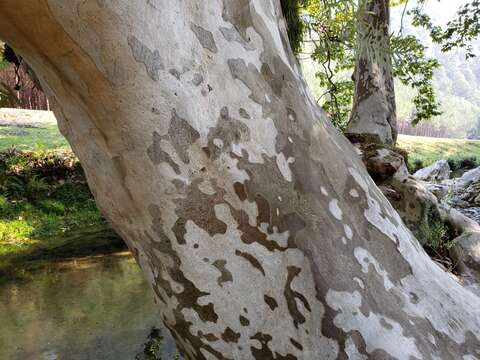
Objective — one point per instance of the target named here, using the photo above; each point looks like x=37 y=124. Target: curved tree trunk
x=260 y=231
x=374 y=109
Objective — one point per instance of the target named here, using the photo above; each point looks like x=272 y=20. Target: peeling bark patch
x=142 y=54
x=252 y=260
x=238 y=13
x=291 y=296
x=227 y=134
x=232 y=35
x=226 y=276
x=199 y=208
x=175 y=73
x=158 y=156
x=265 y=352
x=296 y=344
x=240 y=191
x=244 y=114
x=188 y=297
x=197 y=79
x=181 y=134
x=271 y=302
x=243 y=320
x=205 y=38
x=230 y=336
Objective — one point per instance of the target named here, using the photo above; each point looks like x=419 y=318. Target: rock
x=382 y=163
x=440 y=190
x=436 y=172
x=472 y=213
x=466 y=190
x=471 y=176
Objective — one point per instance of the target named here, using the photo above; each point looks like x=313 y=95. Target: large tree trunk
x=260 y=231
x=374 y=110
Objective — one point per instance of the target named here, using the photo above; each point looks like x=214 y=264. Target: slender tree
x=256 y=225
x=374 y=108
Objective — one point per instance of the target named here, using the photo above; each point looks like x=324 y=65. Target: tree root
x=433 y=223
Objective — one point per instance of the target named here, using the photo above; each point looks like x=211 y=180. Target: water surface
x=86 y=310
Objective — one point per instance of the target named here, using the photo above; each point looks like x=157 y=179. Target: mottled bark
x=255 y=223
x=374 y=109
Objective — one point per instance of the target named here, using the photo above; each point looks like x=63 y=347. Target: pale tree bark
x=374 y=109
x=255 y=223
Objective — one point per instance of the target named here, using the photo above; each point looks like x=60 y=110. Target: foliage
x=3 y=62
x=459 y=32
x=42 y=195
x=295 y=26
x=436 y=237
x=333 y=38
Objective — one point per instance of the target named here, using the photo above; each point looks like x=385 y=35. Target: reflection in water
x=88 y=311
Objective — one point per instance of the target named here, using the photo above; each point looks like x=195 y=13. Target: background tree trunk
x=374 y=109
x=256 y=224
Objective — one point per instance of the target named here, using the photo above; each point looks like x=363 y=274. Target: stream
x=81 y=310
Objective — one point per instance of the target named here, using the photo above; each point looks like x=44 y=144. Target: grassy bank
x=47 y=211
x=424 y=151
x=32 y=138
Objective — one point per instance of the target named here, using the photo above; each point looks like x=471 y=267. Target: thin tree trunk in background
x=30 y=95
x=254 y=221
x=374 y=109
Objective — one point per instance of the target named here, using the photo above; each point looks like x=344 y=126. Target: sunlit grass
x=24 y=138
x=424 y=151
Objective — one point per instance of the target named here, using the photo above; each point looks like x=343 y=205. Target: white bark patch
x=374 y=212
x=352 y=351
x=353 y=193
x=335 y=209
x=365 y=259
x=348 y=231
x=359 y=282
x=284 y=167
x=378 y=331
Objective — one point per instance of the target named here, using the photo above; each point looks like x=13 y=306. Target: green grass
x=47 y=138
x=424 y=151
x=45 y=204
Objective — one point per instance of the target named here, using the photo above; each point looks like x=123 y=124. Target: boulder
x=468 y=178
x=466 y=190
x=436 y=172
x=440 y=190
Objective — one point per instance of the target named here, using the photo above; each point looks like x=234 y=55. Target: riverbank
x=47 y=212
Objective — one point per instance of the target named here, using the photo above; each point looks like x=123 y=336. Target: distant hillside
x=457 y=82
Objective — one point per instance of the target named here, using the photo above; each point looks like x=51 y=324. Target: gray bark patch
x=181 y=135
x=142 y=54
x=197 y=79
x=205 y=38
x=158 y=156
x=244 y=114
x=175 y=73
x=226 y=276
x=232 y=35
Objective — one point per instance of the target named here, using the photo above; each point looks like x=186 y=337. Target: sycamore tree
x=255 y=223
x=339 y=33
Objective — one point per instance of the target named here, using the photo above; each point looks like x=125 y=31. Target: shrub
x=52 y=206
x=72 y=192
x=417 y=165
